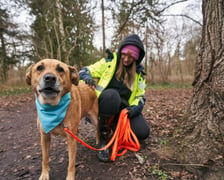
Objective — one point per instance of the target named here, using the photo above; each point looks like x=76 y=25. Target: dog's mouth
x=49 y=86
x=48 y=94
x=49 y=90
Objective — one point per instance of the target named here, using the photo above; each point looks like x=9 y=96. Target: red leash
x=82 y=142
x=124 y=138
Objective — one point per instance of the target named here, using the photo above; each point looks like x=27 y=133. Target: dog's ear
x=28 y=74
x=74 y=75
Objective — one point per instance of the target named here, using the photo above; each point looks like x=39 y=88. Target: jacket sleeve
x=93 y=71
x=137 y=109
x=139 y=100
x=84 y=74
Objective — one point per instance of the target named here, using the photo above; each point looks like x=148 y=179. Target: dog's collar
x=51 y=116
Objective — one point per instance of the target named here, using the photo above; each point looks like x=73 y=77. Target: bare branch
x=174 y=3
x=186 y=16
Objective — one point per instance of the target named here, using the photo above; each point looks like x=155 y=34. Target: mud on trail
x=20 y=149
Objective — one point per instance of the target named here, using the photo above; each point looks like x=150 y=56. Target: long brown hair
x=126 y=74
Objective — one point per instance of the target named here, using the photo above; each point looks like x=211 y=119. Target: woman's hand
x=130 y=112
x=91 y=83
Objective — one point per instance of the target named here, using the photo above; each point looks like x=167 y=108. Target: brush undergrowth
x=10 y=91
x=14 y=91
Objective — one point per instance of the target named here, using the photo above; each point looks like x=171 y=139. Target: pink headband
x=131 y=49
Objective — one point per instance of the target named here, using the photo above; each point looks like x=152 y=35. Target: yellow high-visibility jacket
x=104 y=69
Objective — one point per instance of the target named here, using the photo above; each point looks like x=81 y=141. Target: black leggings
x=110 y=103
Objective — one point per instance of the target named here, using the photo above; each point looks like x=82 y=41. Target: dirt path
x=21 y=154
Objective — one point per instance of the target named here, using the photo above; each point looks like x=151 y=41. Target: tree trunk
x=146 y=49
x=61 y=29
x=202 y=143
x=103 y=27
x=3 y=60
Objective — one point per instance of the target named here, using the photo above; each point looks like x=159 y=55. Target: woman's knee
x=140 y=127
x=109 y=102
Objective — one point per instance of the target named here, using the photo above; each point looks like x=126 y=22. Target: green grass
x=162 y=174
x=169 y=86
x=14 y=91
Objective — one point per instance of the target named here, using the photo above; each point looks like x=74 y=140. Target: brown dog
x=51 y=81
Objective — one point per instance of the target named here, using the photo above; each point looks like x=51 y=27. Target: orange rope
x=124 y=138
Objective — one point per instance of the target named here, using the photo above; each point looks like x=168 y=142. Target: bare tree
x=202 y=135
x=8 y=31
x=103 y=26
x=63 y=30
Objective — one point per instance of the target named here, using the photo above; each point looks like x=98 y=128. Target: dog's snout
x=49 y=85
x=50 y=78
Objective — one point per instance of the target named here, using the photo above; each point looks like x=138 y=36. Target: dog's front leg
x=72 y=148
x=45 y=145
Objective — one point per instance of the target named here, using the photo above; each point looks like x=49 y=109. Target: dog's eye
x=60 y=69
x=40 y=68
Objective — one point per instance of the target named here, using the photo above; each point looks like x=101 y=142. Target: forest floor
x=20 y=149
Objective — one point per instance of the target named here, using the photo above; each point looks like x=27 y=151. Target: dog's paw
x=70 y=176
x=44 y=176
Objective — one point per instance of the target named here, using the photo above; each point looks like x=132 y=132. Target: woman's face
x=127 y=59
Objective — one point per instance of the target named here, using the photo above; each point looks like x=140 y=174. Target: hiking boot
x=105 y=135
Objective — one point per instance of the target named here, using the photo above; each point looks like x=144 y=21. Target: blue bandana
x=51 y=116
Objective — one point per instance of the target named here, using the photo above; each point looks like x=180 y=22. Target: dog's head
x=51 y=79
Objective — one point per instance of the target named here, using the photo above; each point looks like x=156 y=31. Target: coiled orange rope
x=124 y=138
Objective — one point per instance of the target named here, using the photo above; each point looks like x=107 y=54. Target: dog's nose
x=50 y=79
